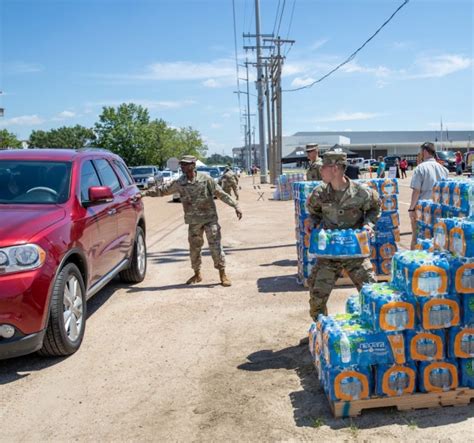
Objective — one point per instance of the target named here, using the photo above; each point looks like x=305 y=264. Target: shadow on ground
x=280 y=283
x=311 y=407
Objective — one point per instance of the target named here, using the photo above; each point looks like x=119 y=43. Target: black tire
x=57 y=340
x=136 y=272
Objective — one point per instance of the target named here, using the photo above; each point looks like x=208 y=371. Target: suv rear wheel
x=67 y=318
x=136 y=271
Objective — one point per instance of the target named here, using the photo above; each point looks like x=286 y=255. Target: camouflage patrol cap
x=311 y=147
x=335 y=158
x=188 y=159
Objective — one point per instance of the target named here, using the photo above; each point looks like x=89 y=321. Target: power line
x=276 y=18
x=289 y=27
x=236 y=59
x=352 y=56
x=281 y=16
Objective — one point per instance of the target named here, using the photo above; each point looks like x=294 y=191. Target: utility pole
x=249 y=156
x=270 y=150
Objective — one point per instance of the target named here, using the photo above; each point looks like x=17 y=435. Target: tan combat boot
x=225 y=281
x=196 y=278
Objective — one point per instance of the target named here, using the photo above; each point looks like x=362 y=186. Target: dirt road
x=162 y=361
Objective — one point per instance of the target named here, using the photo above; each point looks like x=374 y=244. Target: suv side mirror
x=100 y=194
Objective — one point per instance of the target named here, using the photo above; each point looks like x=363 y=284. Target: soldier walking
x=339 y=203
x=314 y=169
x=197 y=193
x=230 y=182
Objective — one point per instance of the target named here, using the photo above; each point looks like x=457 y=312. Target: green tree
x=126 y=131
x=71 y=137
x=189 y=141
x=8 y=140
x=217 y=159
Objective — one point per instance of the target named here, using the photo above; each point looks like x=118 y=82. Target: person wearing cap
x=229 y=182
x=197 y=193
x=425 y=176
x=339 y=203
x=313 y=171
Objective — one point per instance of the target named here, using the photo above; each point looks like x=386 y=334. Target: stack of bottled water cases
x=413 y=334
x=284 y=185
x=382 y=246
x=450 y=199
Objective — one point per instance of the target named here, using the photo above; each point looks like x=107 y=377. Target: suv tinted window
x=108 y=175
x=89 y=178
x=123 y=173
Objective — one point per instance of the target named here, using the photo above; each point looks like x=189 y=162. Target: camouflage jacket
x=197 y=197
x=358 y=206
x=229 y=179
x=314 y=170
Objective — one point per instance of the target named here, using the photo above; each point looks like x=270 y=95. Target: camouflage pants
x=228 y=188
x=324 y=276
x=196 y=240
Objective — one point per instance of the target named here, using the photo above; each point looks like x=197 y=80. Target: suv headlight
x=21 y=258
x=150 y=180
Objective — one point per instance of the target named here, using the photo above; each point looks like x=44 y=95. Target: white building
x=290 y=142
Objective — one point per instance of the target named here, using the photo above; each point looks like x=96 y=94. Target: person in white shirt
x=425 y=175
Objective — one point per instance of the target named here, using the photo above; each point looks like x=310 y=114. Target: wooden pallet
x=457 y=397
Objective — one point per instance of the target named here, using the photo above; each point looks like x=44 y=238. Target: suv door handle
x=112 y=211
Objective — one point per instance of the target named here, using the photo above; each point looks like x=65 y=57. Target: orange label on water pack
x=440 y=233
x=445 y=195
x=397 y=343
x=347 y=397
x=386 y=308
x=460 y=286
x=396 y=234
x=386 y=266
x=415 y=355
x=458 y=351
x=437 y=301
x=386 y=381
x=363 y=239
x=387 y=250
x=440 y=365
x=457 y=242
x=427 y=215
x=436 y=194
x=429 y=268
x=418 y=212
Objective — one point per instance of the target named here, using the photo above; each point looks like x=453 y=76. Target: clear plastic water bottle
x=426 y=347
x=441 y=378
x=345 y=346
x=351 y=387
x=322 y=240
x=441 y=316
x=397 y=318
x=398 y=381
x=467 y=344
x=467 y=279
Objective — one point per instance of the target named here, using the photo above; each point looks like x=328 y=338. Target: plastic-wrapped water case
x=461 y=342
x=387 y=220
x=356 y=345
x=436 y=195
x=446 y=192
x=439 y=312
x=388 y=186
x=466 y=371
x=353 y=304
x=461 y=238
x=425 y=244
x=462 y=274
x=438 y=376
x=441 y=233
x=384 y=266
x=467 y=304
x=383 y=308
x=420 y=273
x=389 y=203
x=460 y=197
x=423 y=345
x=395 y=380
x=346 y=384
x=340 y=243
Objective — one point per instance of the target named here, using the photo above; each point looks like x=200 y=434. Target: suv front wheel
x=136 y=271
x=67 y=318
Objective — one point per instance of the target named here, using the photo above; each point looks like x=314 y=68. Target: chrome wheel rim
x=73 y=314
x=141 y=254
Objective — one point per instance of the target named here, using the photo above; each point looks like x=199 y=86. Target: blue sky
x=62 y=60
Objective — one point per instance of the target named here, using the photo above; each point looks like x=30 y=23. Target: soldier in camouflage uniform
x=339 y=203
x=197 y=193
x=314 y=169
x=229 y=182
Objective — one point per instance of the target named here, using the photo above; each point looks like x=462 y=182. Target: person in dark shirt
x=352 y=171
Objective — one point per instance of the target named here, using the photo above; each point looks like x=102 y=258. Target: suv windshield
x=445 y=155
x=142 y=171
x=34 y=182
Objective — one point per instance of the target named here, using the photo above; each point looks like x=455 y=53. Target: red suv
x=70 y=221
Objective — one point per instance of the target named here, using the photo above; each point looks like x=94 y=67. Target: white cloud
x=440 y=66
x=299 y=82
x=347 y=116
x=318 y=43
x=150 y=104
x=216 y=125
x=226 y=115
x=211 y=83
x=64 y=115
x=22 y=68
x=24 y=120
x=379 y=71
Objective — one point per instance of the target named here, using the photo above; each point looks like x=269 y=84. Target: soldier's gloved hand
x=239 y=213
x=369 y=230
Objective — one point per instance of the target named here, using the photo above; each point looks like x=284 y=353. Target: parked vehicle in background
x=71 y=221
x=468 y=159
x=146 y=176
x=371 y=163
x=237 y=170
x=213 y=172
x=357 y=161
x=447 y=159
x=390 y=161
x=167 y=176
